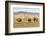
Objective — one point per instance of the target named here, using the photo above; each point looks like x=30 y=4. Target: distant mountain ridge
x=21 y=12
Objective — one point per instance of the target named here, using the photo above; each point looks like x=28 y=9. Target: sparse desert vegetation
x=25 y=20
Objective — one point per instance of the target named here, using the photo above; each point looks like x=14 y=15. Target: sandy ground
x=24 y=21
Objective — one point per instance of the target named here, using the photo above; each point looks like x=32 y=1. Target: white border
x=31 y=29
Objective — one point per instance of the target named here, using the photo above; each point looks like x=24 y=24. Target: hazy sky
x=34 y=10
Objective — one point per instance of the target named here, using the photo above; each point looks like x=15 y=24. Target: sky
x=33 y=10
